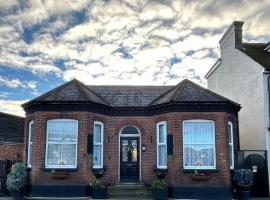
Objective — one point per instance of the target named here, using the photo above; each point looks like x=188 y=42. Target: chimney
x=233 y=35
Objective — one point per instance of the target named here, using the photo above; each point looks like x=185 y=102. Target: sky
x=44 y=43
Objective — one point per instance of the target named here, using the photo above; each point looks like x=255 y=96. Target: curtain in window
x=199 y=145
x=30 y=144
x=231 y=151
x=62 y=143
x=98 y=145
x=162 y=145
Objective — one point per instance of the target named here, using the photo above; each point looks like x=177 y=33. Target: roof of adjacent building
x=130 y=96
x=11 y=128
x=257 y=52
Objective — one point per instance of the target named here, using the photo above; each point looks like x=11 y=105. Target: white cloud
x=17 y=83
x=12 y=106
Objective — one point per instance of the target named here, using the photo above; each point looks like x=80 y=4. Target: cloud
x=12 y=106
x=17 y=83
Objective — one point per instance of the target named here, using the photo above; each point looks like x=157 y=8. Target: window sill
x=160 y=170
x=59 y=169
x=200 y=170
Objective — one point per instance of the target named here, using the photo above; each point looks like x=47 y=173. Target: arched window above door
x=130 y=130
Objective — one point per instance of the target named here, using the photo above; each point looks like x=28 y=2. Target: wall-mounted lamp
x=143 y=148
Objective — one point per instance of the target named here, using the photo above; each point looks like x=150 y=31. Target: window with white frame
x=231 y=149
x=162 y=145
x=30 y=144
x=98 y=145
x=199 y=144
x=61 y=145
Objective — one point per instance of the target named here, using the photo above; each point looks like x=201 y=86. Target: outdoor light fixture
x=143 y=148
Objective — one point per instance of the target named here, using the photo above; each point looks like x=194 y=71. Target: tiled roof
x=131 y=96
x=258 y=53
x=11 y=128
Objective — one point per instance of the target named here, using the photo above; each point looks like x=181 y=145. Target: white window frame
x=231 y=144
x=76 y=149
x=30 y=144
x=164 y=123
x=98 y=143
x=214 y=144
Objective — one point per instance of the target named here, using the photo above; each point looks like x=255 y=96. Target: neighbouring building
x=11 y=137
x=243 y=74
x=128 y=134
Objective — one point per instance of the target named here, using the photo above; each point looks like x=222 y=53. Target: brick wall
x=11 y=151
x=147 y=127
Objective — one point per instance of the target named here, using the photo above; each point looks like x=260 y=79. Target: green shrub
x=16 y=179
x=96 y=185
x=243 y=178
x=162 y=185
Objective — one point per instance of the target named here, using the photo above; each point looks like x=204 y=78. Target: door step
x=129 y=190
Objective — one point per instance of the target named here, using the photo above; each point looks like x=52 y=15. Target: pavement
x=87 y=198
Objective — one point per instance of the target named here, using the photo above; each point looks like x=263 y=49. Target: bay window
x=61 y=145
x=162 y=145
x=98 y=145
x=30 y=144
x=231 y=151
x=199 y=144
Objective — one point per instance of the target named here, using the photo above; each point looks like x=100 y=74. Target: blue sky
x=44 y=43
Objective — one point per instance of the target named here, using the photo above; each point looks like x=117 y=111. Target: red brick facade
x=11 y=151
x=147 y=127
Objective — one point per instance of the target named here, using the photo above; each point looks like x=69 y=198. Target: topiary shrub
x=243 y=179
x=16 y=179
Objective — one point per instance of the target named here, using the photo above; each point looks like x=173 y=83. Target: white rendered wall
x=241 y=79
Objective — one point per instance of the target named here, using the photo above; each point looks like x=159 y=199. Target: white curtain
x=199 y=144
x=162 y=145
x=98 y=145
x=62 y=143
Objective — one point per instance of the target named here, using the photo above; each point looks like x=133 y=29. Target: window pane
x=162 y=133
x=97 y=134
x=198 y=133
x=54 y=154
x=134 y=152
x=162 y=159
x=62 y=142
x=68 y=154
x=62 y=131
x=124 y=151
x=97 y=155
x=231 y=155
x=199 y=155
x=230 y=132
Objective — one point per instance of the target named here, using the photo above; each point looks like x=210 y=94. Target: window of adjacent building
x=61 y=147
x=162 y=145
x=199 y=144
x=231 y=151
x=98 y=145
x=30 y=143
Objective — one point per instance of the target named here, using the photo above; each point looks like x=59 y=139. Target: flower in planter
x=160 y=190
x=99 y=191
x=243 y=179
x=200 y=176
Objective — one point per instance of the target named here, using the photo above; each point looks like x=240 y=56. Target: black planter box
x=17 y=195
x=243 y=195
x=159 y=194
x=100 y=193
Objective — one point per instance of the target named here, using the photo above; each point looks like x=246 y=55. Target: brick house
x=11 y=137
x=129 y=133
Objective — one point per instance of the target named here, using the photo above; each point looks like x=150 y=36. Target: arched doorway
x=129 y=154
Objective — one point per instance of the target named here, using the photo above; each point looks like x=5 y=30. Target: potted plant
x=99 y=191
x=160 y=190
x=243 y=180
x=16 y=180
x=59 y=175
